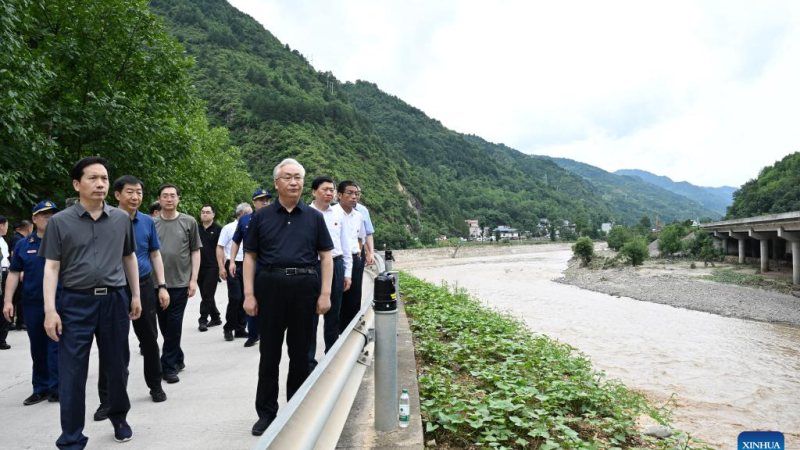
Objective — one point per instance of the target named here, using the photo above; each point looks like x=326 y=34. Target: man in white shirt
x=323 y=189
x=354 y=231
x=234 y=314
x=369 y=230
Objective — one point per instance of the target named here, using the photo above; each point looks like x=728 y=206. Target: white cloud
x=702 y=91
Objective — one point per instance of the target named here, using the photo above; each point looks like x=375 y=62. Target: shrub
x=584 y=249
x=636 y=251
x=618 y=236
x=669 y=240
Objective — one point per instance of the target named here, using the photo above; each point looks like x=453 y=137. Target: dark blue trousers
x=44 y=352
x=351 y=300
x=170 y=321
x=331 y=325
x=82 y=318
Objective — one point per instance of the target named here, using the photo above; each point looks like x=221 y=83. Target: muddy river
x=725 y=375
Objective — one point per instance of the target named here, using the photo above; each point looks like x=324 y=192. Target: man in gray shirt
x=180 y=251
x=85 y=247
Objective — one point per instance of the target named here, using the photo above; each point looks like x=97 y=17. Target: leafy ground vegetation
x=735 y=276
x=487 y=381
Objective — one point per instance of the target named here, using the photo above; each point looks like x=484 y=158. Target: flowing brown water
x=728 y=375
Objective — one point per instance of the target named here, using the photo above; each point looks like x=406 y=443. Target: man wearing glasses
x=285 y=240
x=208 y=277
x=369 y=244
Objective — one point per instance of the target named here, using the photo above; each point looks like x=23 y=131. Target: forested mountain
x=776 y=190
x=716 y=199
x=416 y=174
x=630 y=196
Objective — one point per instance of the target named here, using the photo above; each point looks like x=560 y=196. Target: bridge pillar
x=794 y=238
x=764 y=250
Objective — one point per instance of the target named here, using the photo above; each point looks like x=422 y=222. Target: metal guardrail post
x=385 y=307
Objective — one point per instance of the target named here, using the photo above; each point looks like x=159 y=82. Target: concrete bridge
x=774 y=236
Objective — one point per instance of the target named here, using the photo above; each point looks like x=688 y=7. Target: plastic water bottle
x=405 y=409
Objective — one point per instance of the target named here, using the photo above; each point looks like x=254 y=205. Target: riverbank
x=678 y=285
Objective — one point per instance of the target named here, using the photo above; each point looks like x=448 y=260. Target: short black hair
x=77 y=169
x=24 y=223
x=209 y=205
x=319 y=180
x=155 y=206
x=167 y=186
x=120 y=183
x=3 y=220
x=344 y=185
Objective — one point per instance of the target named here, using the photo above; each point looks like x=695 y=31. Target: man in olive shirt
x=180 y=251
x=85 y=247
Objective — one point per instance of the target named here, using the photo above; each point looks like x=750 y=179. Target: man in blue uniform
x=260 y=199
x=44 y=351
x=90 y=247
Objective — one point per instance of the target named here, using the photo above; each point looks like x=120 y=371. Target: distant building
x=474 y=228
x=605 y=227
x=506 y=232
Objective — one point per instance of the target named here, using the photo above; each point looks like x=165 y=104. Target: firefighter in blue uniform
x=44 y=351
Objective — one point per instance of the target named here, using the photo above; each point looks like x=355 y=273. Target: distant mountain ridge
x=714 y=198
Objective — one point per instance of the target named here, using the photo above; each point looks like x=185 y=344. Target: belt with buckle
x=293 y=270
x=99 y=291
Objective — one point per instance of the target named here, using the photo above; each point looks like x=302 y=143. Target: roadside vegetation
x=735 y=276
x=487 y=381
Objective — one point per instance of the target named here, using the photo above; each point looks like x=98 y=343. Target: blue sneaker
x=122 y=431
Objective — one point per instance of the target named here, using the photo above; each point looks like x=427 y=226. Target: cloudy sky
x=707 y=92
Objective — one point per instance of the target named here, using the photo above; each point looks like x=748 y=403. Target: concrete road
x=212 y=407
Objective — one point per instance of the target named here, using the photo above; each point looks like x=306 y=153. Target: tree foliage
x=670 y=239
x=104 y=78
x=776 y=190
x=583 y=249
x=618 y=236
x=636 y=251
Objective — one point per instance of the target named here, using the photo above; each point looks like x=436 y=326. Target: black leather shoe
x=228 y=335
x=101 y=414
x=240 y=334
x=53 y=398
x=203 y=326
x=171 y=377
x=158 y=395
x=251 y=342
x=35 y=398
x=261 y=426
x=5 y=346
x=214 y=323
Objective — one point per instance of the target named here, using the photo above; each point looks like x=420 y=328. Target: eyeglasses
x=352 y=193
x=287 y=178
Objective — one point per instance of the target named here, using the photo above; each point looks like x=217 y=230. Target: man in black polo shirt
x=208 y=277
x=285 y=239
x=86 y=247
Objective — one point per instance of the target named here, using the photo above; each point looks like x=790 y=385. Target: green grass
x=487 y=381
x=732 y=276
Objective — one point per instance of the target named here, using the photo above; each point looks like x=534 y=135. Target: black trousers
x=207 y=280
x=170 y=321
x=19 y=311
x=3 y=324
x=351 y=299
x=84 y=316
x=286 y=304
x=235 y=319
x=146 y=329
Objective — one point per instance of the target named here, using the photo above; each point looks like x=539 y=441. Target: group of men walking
x=91 y=269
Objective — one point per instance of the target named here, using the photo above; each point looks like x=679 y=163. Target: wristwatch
x=162 y=286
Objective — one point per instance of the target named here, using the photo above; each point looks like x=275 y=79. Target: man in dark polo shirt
x=180 y=251
x=208 y=277
x=285 y=240
x=86 y=247
x=128 y=192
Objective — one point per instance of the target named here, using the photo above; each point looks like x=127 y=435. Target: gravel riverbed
x=683 y=289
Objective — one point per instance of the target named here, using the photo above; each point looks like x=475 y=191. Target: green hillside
x=776 y=190
x=632 y=198
x=716 y=199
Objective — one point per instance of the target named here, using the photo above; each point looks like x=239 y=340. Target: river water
x=727 y=375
